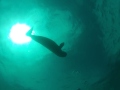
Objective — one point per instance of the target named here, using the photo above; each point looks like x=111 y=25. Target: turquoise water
x=89 y=29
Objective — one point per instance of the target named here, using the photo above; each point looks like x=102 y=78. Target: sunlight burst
x=18 y=33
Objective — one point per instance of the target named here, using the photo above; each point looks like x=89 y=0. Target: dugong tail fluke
x=29 y=32
x=48 y=43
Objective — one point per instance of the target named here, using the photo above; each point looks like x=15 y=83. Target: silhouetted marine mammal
x=48 y=43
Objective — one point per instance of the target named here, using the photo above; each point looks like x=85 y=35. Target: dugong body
x=48 y=43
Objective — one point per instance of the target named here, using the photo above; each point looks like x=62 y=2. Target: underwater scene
x=59 y=44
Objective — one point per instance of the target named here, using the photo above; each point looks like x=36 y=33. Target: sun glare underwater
x=18 y=33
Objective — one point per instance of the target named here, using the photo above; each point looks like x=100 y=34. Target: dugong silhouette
x=48 y=43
